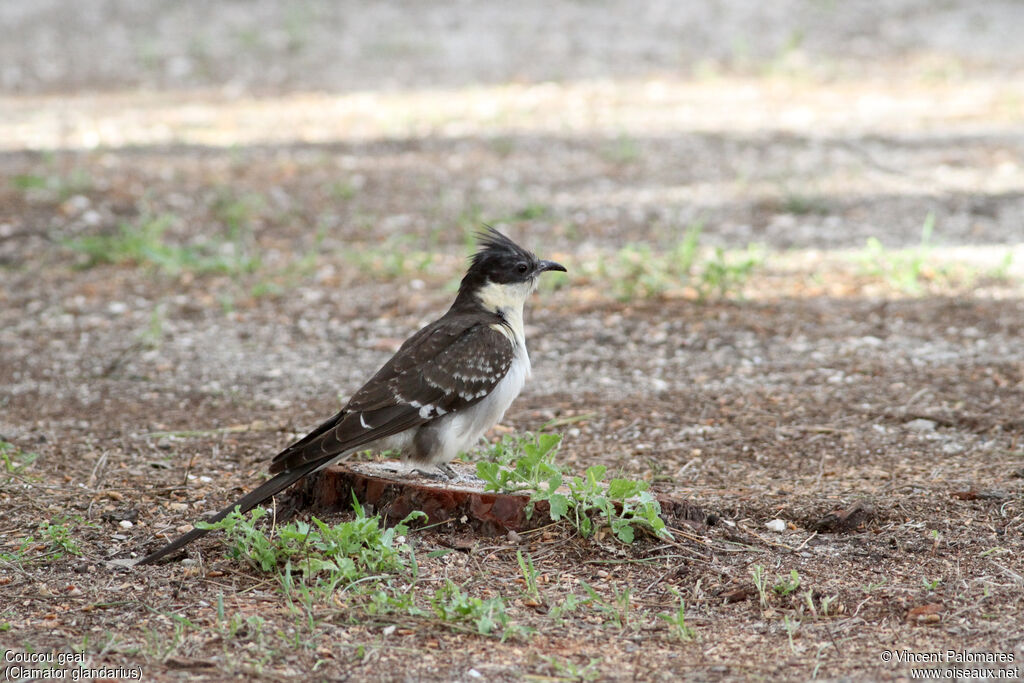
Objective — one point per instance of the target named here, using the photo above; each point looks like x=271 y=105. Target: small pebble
x=777 y=525
x=125 y=524
x=921 y=425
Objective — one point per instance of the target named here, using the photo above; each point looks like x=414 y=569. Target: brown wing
x=448 y=365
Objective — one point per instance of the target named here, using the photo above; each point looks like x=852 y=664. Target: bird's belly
x=401 y=442
x=460 y=432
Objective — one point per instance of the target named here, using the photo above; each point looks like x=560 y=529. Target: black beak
x=544 y=266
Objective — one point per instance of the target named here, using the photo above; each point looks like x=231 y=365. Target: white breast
x=461 y=431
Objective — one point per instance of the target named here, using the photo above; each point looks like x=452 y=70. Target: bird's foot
x=442 y=473
x=448 y=471
x=430 y=474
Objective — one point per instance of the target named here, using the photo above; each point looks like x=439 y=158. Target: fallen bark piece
x=185 y=663
x=974 y=494
x=930 y=613
x=676 y=511
x=846 y=520
x=383 y=488
x=737 y=594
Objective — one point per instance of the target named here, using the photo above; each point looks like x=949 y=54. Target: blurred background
x=803 y=124
x=189 y=170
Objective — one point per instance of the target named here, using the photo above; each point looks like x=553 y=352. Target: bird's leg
x=440 y=475
x=448 y=471
x=443 y=472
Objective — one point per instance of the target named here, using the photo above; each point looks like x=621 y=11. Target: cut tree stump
x=384 y=488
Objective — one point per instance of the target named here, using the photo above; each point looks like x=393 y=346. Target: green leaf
x=488 y=471
x=595 y=473
x=623 y=530
x=586 y=526
x=620 y=489
x=548 y=442
x=558 y=506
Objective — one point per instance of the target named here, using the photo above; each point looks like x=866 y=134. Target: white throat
x=508 y=301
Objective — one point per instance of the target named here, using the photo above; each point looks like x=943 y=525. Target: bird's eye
x=522 y=267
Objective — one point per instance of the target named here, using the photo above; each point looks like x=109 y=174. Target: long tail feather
x=247 y=502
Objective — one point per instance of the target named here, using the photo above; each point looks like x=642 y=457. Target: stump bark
x=383 y=489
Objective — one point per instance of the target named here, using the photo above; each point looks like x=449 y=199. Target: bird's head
x=502 y=274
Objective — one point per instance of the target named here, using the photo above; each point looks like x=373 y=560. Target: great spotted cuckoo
x=447 y=384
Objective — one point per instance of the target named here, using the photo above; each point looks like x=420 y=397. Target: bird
x=443 y=389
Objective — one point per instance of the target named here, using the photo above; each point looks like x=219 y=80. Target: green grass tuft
x=334 y=556
x=527 y=464
x=903 y=269
x=14 y=460
x=640 y=270
x=144 y=243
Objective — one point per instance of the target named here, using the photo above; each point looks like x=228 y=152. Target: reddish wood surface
x=383 y=488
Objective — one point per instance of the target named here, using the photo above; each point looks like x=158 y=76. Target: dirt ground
x=325 y=166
